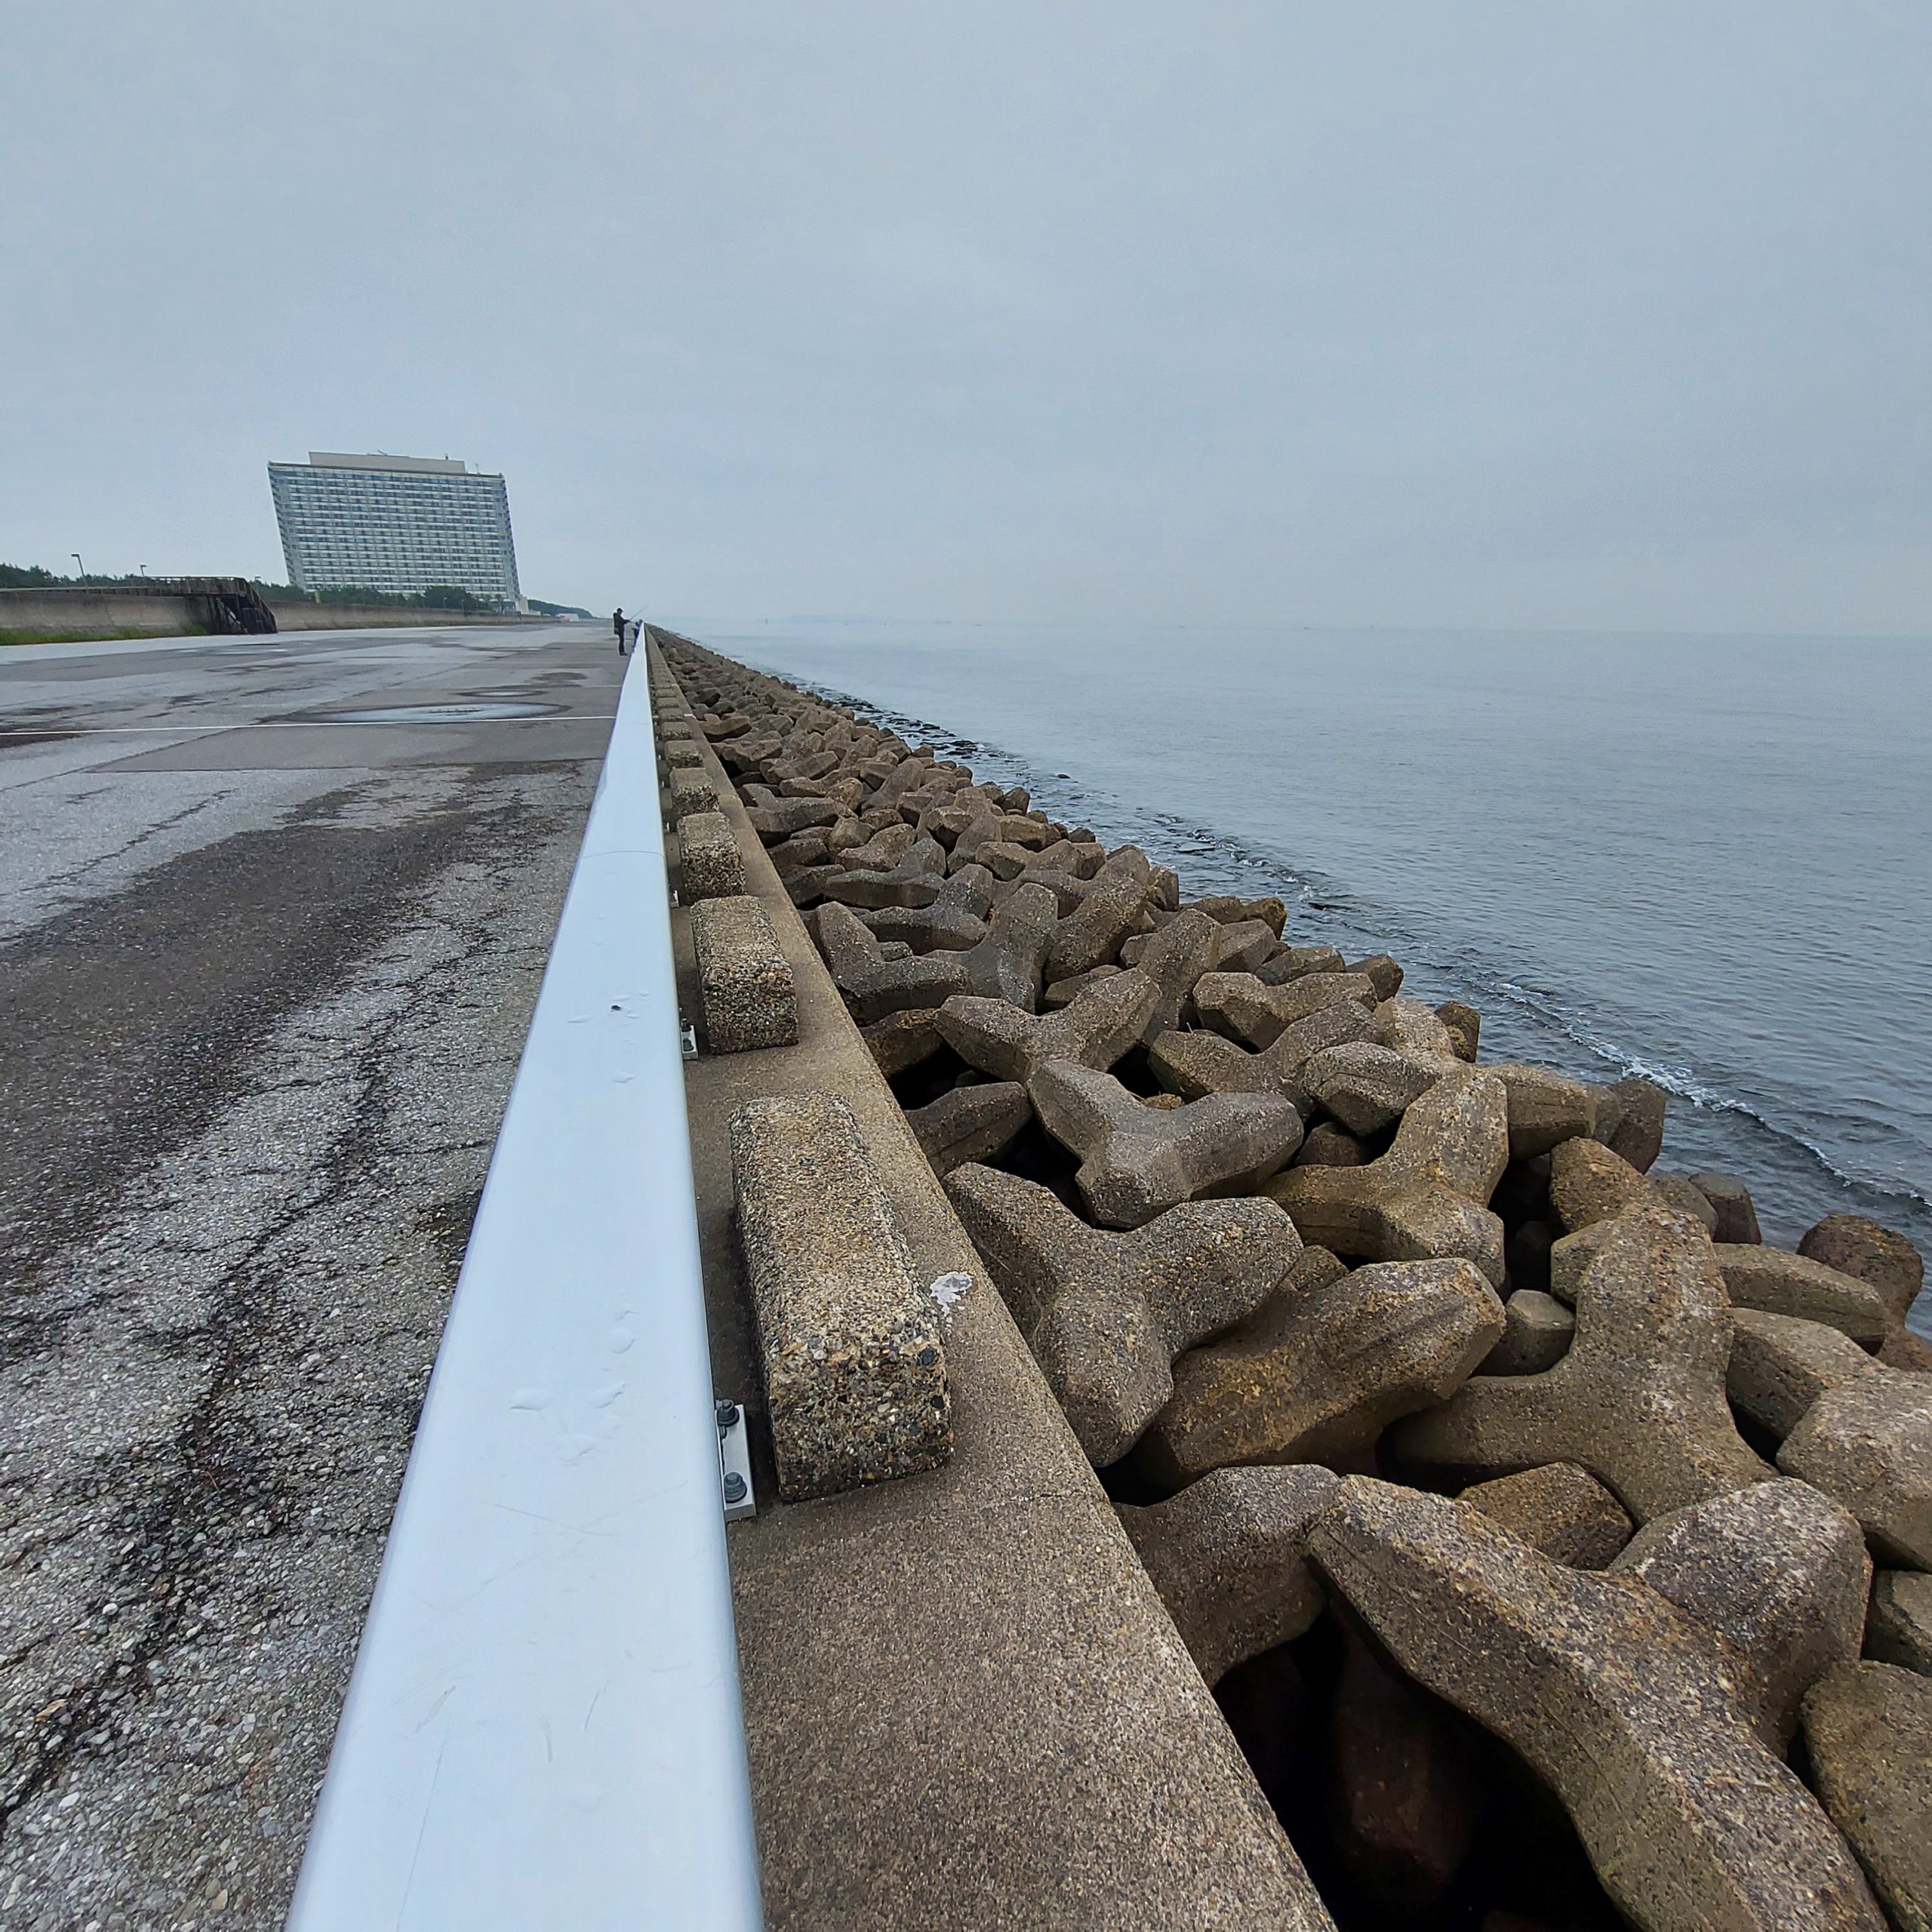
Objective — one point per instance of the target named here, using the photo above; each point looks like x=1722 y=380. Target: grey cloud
x=1606 y=314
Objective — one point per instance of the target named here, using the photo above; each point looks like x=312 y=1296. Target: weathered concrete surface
x=1639 y=1398
x=1225 y=1555
x=708 y=864
x=80 y=614
x=1898 y=1629
x=1624 y=1702
x=744 y=985
x=1778 y=1571
x=98 y=614
x=1106 y=1311
x=1559 y=1509
x=965 y=1704
x=854 y=1358
x=263 y=988
x=1318 y=1373
x=1867 y=1731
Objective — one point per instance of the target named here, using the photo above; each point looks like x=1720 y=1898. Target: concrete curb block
x=691 y=792
x=710 y=864
x=854 y=1363
x=744 y=981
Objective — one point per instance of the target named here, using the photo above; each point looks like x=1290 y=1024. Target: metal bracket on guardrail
x=735 y=1463
x=687 y=1039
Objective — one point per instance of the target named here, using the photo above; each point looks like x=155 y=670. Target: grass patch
x=95 y=636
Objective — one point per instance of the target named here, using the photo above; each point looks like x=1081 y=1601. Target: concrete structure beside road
x=92 y=613
x=397 y=524
x=160 y=607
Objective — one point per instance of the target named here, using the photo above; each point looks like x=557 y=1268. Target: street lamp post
x=76 y=555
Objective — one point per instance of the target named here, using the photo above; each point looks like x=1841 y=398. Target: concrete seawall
x=106 y=613
x=50 y=615
x=965 y=1704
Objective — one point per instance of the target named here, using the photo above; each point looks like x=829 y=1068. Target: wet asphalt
x=273 y=913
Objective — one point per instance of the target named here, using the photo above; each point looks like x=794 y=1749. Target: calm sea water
x=1702 y=859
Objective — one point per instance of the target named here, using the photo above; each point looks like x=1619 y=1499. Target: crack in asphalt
x=215 y=1473
x=134 y=1016
x=246 y=1304
x=76 y=874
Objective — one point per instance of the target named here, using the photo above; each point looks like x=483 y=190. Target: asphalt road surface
x=273 y=913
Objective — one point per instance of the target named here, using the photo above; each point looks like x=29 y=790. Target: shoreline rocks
x=1295 y=1260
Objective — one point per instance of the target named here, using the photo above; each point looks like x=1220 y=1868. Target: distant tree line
x=31 y=577
x=438 y=597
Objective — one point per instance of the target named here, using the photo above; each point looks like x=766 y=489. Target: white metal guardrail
x=543 y=1727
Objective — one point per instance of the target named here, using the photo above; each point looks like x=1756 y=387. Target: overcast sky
x=1429 y=313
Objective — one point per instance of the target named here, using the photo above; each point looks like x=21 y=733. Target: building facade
x=395 y=523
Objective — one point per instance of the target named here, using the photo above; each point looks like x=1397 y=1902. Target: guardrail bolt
x=734 y=1487
x=727 y=1415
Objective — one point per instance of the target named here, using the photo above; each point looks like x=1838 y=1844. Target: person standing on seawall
x=617 y=625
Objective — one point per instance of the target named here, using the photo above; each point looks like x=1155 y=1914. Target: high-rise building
x=395 y=523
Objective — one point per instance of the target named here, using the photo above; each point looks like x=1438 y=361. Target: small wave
x=1462 y=968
